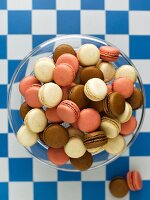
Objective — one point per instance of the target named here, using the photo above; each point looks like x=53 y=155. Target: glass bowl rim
x=77 y=36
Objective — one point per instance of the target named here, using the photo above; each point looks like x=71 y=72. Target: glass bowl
x=25 y=68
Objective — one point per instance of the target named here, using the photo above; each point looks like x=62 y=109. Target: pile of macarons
x=78 y=104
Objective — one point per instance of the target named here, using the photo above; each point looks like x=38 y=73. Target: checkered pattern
x=24 y=25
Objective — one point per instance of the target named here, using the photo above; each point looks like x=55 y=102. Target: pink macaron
x=69 y=59
x=109 y=54
x=134 y=181
x=109 y=88
x=129 y=126
x=64 y=74
x=31 y=96
x=52 y=116
x=66 y=90
x=27 y=82
x=89 y=120
x=57 y=156
x=124 y=86
x=68 y=111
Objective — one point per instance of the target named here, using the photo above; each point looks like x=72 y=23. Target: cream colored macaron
x=75 y=148
x=126 y=71
x=95 y=89
x=108 y=70
x=95 y=151
x=88 y=54
x=43 y=69
x=126 y=115
x=26 y=137
x=36 y=120
x=50 y=95
x=111 y=127
x=115 y=145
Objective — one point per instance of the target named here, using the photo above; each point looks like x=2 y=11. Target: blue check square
x=93 y=190
x=119 y=167
x=92 y=5
x=19 y=22
x=3 y=145
x=3 y=47
x=45 y=191
x=38 y=39
x=139 y=5
x=45 y=4
x=3 y=4
x=117 y=22
x=69 y=176
x=3 y=99
x=20 y=169
x=3 y=191
x=68 y=22
x=147 y=94
x=12 y=65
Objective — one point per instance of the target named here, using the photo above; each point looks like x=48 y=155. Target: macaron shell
x=130 y=181
x=137 y=180
x=108 y=71
x=126 y=71
x=57 y=156
x=69 y=59
x=52 y=116
x=136 y=99
x=74 y=132
x=126 y=115
x=109 y=54
x=26 y=137
x=95 y=151
x=24 y=109
x=26 y=83
x=75 y=148
x=123 y=86
x=129 y=126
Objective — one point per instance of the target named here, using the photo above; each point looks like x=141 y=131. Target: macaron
x=88 y=55
x=96 y=150
x=136 y=99
x=89 y=120
x=26 y=137
x=60 y=73
x=111 y=127
x=90 y=72
x=95 y=89
x=66 y=90
x=52 y=116
x=128 y=127
x=57 y=156
x=115 y=145
x=31 y=96
x=70 y=60
x=40 y=135
x=24 y=109
x=109 y=54
x=114 y=104
x=74 y=132
x=26 y=83
x=82 y=163
x=50 y=95
x=126 y=115
x=134 y=180
x=62 y=49
x=68 y=111
x=75 y=148
x=97 y=105
x=124 y=86
x=109 y=88
x=108 y=70
x=95 y=139
x=126 y=71
x=119 y=187
x=55 y=136
x=43 y=69
x=36 y=120
x=78 y=96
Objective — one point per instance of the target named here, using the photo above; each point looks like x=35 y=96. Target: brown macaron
x=136 y=99
x=41 y=137
x=114 y=104
x=90 y=72
x=62 y=49
x=78 y=96
x=97 y=105
x=74 y=132
x=95 y=139
x=55 y=136
x=24 y=109
x=82 y=163
x=118 y=187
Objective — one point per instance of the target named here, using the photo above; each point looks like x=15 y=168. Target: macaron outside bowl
x=25 y=68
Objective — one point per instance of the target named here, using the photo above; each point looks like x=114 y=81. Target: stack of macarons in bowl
x=78 y=104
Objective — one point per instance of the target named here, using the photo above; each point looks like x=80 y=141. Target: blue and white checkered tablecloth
x=25 y=24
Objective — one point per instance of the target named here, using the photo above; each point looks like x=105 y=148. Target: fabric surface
x=24 y=25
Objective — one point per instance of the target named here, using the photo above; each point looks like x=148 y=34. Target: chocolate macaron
x=24 y=109
x=97 y=105
x=95 y=139
x=136 y=99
